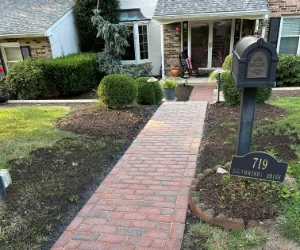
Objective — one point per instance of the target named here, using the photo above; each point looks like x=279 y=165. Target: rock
x=200 y=176
x=227 y=165
x=201 y=206
x=216 y=167
x=222 y=171
x=208 y=171
x=195 y=200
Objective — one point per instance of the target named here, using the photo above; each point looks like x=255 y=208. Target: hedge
x=288 y=71
x=63 y=76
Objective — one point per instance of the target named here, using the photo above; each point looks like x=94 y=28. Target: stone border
x=209 y=215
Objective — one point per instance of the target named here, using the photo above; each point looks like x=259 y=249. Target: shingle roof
x=191 y=7
x=31 y=16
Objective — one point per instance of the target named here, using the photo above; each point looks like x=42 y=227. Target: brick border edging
x=209 y=215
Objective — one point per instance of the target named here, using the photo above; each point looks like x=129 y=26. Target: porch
x=206 y=33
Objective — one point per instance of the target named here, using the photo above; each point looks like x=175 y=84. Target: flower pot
x=4 y=98
x=169 y=94
x=175 y=72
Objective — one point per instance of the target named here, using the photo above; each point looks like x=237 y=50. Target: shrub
x=117 y=91
x=263 y=94
x=232 y=94
x=146 y=90
x=136 y=70
x=72 y=74
x=227 y=65
x=288 y=71
x=26 y=80
x=169 y=83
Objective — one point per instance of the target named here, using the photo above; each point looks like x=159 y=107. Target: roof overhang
x=166 y=19
x=5 y=36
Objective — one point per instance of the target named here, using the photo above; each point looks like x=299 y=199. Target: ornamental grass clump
x=169 y=83
x=117 y=91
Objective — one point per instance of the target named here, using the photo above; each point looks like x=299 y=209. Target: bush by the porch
x=117 y=91
x=288 y=71
x=26 y=80
x=232 y=94
x=148 y=93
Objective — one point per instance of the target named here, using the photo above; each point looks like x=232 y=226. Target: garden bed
x=52 y=182
x=276 y=132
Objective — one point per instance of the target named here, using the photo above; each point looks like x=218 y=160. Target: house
x=37 y=28
x=207 y=30
x=145 y=33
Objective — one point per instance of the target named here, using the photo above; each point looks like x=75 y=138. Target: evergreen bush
x=117 y=91
x=26 y=80
x=227 y=65
x=72 y=74
x=148 y=93
x=288 y=71
x=83 y=10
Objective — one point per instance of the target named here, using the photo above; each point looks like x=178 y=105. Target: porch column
x=162 y=44
x=263 y=32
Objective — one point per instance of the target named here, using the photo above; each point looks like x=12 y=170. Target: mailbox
x=254 y=63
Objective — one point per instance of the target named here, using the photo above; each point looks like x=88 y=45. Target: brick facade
x=172 y=46
x=39 y=46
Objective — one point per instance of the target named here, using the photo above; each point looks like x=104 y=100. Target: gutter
x=210 y=15
x=25 y=35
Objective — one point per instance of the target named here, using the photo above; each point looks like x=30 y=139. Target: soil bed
x=54 y=183
x=219 y=145
x=183 y=93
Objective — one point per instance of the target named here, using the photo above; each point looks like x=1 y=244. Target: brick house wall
x=39 y=47
x=172 y=46
x=282 y=7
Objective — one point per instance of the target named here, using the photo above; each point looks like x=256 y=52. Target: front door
x=210 y=42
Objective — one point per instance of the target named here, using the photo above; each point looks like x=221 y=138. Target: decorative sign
x=258 y=66
x=258 y=165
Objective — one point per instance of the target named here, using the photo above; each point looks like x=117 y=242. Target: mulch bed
x=286 y=93
x=219 y=145
x=78 y=165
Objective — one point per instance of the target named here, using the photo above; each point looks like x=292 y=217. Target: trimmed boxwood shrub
x=227 y=65
x=117 y=91
x=232 y=94
x=288 y=71
x=145 y=92
x=63 y=76
x=25 y=80
x=72 y=74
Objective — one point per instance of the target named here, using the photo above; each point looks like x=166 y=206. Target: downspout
x=162 y=43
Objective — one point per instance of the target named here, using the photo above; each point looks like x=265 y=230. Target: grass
x=23 y=129
x=212 y=238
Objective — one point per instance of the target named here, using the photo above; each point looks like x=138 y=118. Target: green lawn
x=23 y=129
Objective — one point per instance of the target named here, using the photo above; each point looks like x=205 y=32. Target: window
x=290 y=35
x=13 y=53
x=138 y=49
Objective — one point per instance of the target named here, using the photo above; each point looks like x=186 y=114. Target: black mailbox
x=254 y=63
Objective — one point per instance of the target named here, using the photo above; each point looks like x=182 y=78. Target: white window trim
x=8 y=45
x=137 y=43
x=280 y=32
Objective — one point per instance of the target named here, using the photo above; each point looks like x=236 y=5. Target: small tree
x=83 y=10
x=115 y=43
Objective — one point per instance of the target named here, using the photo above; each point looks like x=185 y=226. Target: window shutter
x=274 y=31
x=25 y=52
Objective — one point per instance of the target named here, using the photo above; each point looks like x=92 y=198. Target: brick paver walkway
x=142 y=203
x=203 y=93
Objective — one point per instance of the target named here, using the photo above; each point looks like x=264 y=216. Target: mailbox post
x=254 y=65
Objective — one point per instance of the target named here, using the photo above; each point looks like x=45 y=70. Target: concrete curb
x=52 y=101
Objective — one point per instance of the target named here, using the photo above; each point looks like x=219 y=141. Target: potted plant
x=3 y=96
x=169 y=85
x=175 y=68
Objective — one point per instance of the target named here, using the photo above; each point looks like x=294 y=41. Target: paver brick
x=143 y=202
